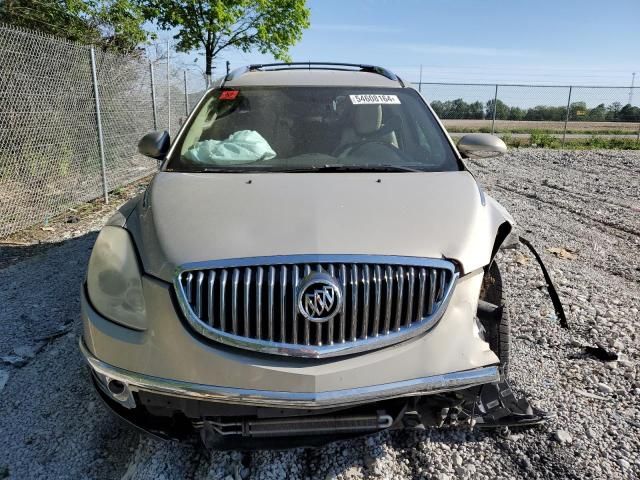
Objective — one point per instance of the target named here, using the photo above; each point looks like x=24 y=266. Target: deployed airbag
x=243 y=146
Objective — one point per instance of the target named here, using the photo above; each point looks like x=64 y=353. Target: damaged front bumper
x=121 y=385
x=227 y=418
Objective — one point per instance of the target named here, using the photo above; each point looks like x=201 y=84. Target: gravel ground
x=586 y=204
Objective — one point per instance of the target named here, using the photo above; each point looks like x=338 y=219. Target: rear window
x=305 y=128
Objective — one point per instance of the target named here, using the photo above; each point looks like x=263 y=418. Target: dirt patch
x=74 y=222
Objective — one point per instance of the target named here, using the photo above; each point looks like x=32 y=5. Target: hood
x=193 y=217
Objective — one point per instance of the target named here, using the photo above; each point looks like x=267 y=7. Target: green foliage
x=544 y=140
x=110 y=24
x=269 y=26
x=458 y=108
x=578 y=111
x=502 y=110
x=609 y=143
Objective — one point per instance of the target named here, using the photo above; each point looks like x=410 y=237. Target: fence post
x=495 y=108
x=566 y=119
x=153 y=98
x=186 y=94
x=168 y=87
x=96 y=95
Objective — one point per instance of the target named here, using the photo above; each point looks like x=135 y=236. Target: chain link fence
x=65 y=138
x=562 y=113
x=71 y=118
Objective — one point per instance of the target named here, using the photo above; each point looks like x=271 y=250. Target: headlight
x=113 y=279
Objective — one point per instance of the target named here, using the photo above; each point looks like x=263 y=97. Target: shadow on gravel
x=52 y=424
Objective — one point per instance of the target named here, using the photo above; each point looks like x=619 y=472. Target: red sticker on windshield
x=229 y=94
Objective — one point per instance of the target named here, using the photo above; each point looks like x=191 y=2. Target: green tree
x=629 y=113
x=597 y=113
x=109 y=24
x=613 y=111
x=578 y=111
x=502 y=110
x=476 y=111
x=269 y=26
x=438 y=108
x=516 y=113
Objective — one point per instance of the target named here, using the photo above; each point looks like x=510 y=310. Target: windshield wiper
x=232 y=170
x=322 y=168
x=360 y=168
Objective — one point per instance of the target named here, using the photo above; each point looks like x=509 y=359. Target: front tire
x=494 y=316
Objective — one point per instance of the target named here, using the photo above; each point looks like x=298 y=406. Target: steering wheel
x=354 y=147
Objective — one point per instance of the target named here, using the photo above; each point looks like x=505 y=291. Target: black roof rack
x=316 y=66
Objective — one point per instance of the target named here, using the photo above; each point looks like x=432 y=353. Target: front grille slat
x=411 y=280
x=399 y=297
x=307 y=323
x=388 y=280
x=366 y=281
x=319 y=325
x=223 y=300
x=283 y=302
x=247 y=300
x=377 y=280
x=431 y=297
x=422 y=277
x=332 y=272
x=342 y=316
x=235 y=281
x=295 y=273
x=271 y=301
x=354 y=301
x=211 y=285
x=380 y=301
x=259 y=280
x=441 y=282
x=199 y=280
x=189 y=286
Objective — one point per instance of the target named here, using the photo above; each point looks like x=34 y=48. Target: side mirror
x=155 y=144
x=481 y=145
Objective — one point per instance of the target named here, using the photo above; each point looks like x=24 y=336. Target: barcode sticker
x=374 y=99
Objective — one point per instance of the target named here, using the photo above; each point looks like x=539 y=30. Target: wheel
x=494 y=316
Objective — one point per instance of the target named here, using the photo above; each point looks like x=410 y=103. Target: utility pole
x=228 y=65
x=633 y=81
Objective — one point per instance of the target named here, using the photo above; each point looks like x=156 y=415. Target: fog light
x=116 y=387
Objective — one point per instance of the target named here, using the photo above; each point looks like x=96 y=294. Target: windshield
x=275 y=129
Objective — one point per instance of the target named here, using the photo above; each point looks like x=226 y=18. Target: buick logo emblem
x=319 y=297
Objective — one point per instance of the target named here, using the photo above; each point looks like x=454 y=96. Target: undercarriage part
x=490 y=406
x=496 y=406
x=553 y=293
x=317 y=425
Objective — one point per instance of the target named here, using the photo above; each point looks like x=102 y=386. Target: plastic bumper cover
x=130 y=382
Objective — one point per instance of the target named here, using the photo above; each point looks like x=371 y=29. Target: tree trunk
x=208 y=68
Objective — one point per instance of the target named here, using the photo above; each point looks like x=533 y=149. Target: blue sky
x=587 y=42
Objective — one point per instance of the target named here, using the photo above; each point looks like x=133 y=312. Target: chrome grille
x=251 y=303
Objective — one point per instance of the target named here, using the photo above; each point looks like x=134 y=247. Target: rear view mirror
x=155 y=144
x=481 y=145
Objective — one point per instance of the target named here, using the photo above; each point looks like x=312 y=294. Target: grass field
x=514 y=126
